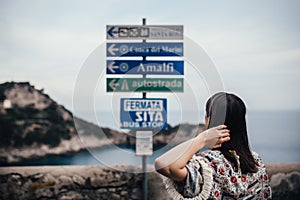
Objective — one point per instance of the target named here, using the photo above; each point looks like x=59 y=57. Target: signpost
x=115 y=49
x=137 y=113
x=144 y=32
x=142 y=114
x=144 y=84
x=158 y=67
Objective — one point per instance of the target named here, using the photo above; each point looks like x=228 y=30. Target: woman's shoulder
x=216 y=155
x=258 y=159
x=212 y=156
x=255 y=155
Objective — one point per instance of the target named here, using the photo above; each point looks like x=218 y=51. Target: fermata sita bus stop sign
x=138 y=113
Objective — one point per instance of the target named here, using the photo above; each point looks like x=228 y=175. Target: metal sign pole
x=144 y=157
x=144 y=114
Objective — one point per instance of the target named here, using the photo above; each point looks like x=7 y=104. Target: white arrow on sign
x=112 y=50
x=112 y=84
x=111 y=67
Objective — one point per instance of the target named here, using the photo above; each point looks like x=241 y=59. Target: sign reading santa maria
x=138 y=113
x=158 y=32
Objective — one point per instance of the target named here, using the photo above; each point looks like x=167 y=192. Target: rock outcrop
x=32 y=125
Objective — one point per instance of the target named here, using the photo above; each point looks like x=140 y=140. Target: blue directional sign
x=144 y=49
x=138 y=113
x=145 y=67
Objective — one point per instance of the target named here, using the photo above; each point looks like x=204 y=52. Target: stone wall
x=284 y=180
x=68 y=182
x=95 y=182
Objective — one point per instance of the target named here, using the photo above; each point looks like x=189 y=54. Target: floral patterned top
x=211 y=176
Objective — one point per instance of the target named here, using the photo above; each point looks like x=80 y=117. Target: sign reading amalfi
x=144 y=67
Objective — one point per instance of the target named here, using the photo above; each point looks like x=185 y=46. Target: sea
x=275 y=135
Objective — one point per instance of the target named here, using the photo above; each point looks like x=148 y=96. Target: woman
x=228 y=171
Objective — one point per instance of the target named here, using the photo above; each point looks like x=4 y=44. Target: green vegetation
x=25 y=126
x=92 y=129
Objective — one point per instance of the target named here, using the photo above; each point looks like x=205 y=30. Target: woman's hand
x=214 y=137
x=172 y=163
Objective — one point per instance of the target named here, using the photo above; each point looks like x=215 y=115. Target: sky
x=254 y=45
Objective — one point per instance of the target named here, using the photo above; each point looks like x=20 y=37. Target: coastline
x=82 y=141
x=66 y=147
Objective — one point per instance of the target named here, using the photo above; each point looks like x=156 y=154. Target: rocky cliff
x=32 y=118
x=33 y=125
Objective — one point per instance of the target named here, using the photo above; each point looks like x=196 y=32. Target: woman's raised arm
x=172 y=163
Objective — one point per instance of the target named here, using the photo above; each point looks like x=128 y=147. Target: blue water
x=108 y=156
x=275 y=135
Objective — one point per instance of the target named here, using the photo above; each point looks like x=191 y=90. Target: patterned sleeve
x=197 y=184
x=194 y=180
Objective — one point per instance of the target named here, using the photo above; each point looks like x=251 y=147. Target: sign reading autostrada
x=144 y=67
x=137 y=113
x=144 y=49
x=144 y=32
x=144 y=84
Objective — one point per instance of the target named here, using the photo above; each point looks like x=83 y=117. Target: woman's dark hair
x=228 y=109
